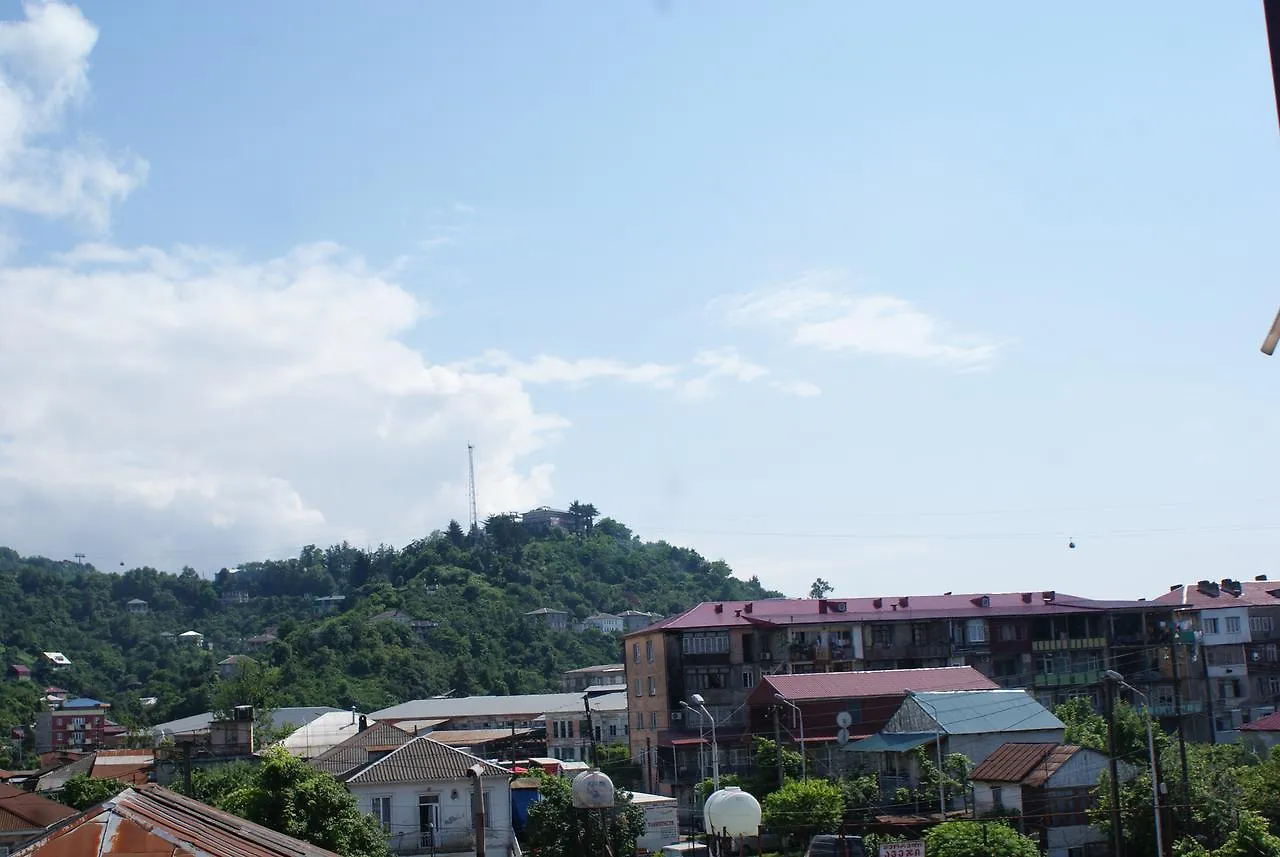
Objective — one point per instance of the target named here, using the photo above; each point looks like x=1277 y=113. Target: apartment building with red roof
x=1052 y=644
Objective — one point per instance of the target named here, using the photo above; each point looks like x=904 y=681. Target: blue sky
x=906 y=298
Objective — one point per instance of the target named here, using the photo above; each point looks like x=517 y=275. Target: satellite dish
x=844 y=720
x=842 y=737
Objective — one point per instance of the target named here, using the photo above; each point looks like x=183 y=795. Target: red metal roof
x=20 y=810
x=1254 y=593
x=1270 y=723
x=869 y=683
x=153 y=820
x=800 y=611
x=1029 y=764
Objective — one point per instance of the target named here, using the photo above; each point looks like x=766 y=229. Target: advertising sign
x=902 y=849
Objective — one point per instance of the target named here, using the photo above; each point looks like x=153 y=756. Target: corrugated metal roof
x=353 y=753
x=54 y=780
x=467 y=737
x=480 y=706
x=1028 y=764
x=322 y=734
x=800 y=611
x=1254 y=593
x=280 y=719
x=424 y=759
x=31 y=810
x=867 y=683
x=153 y=820
x=891 y=742
x=981 y=712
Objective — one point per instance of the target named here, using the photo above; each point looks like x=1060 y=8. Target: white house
x=191 y=638
x=1051 y=786
x=421 y=792
x=605 y=623
x=568 y=736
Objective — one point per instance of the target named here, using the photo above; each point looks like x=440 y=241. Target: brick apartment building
x=1051 y=644
x=1228 y=635
x=79 y=724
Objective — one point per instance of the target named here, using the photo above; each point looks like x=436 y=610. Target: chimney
x=1049 y=595
x=877 y=603
x=364 y=723
x=747 y=608
x=822 y=605
x=1175 y=587
x=1026 y=598
x=903 y=602
x=1207 y=587
x=1261 y=577
x=1226 y=584
x=719 y=608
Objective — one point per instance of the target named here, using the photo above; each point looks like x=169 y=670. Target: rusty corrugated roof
x=1029 y=764
x=154 y=820
x=20 y=810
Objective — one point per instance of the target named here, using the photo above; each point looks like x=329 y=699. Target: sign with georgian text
x=902 y=849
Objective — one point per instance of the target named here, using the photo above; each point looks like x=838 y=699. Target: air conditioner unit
x=840 y=606
x=677 y=716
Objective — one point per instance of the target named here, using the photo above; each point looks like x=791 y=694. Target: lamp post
x=1114 y=676
x=700 y=707
x=804 y=764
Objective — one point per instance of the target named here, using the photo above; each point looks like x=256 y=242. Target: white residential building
x=570 y=734
x=421 y=793
x=605 y=623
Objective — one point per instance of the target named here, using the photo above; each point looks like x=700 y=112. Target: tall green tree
x=804 y=809
x=557 y=829
x=1088 y=728
x=978 y=839
x=820 y=589
x=83 y=791
x=288 y=795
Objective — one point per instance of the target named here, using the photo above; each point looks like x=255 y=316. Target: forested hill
x=471 y=592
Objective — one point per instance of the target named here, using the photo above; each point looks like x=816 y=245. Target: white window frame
x=1233 y=624
x=380 y=809
x=653 y=686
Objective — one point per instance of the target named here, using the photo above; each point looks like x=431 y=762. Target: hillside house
x=137 y=607
x=231 y=665
x=421 y=793
x=556 y=620
x=593 y=676
x=259 y=640
x=637 y=620
x=54 y=661
x=323 y=605
x=18 y=672
x=544 y=519
x=79 y=724
x=605 y=623
x=1050 y=787
x=191 y=638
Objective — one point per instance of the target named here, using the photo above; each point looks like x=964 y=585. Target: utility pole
x=79 y=558
x=1117 y=835
x=477 y=797
x=1177 y=712
x=777 y=742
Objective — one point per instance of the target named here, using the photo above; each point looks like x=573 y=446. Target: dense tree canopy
x=978 y=839
x=471 y=594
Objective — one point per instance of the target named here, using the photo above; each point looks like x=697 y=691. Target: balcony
x=1066 y=679
x=908 y=651
x=1012 y=682
x=1068 y=643
x=450 y=840
x=1166 y=709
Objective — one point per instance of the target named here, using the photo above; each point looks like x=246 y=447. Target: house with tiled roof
x=1263 y=734
x=154 y=820
x=25 y=816
x=19 y=672
x=368 y=745
x=1050 y=788
x=422 y=793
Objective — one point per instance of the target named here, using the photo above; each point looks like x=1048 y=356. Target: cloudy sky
x=907 y=301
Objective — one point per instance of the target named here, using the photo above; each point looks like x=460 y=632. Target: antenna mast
x=471 y=479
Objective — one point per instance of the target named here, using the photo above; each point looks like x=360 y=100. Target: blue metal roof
x=891 y=742
x=83 y=702
x=975 y=712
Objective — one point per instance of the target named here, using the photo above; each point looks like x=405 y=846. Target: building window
x=881 y=637
x=639 y=689
x=711 y=643
x=613 y=730
x=653 y=686
x=380 y=809
x=653 y=720
x=639 y=719
x=976 y=631
x=1269 y=686
x=1211 y=626
x=1260 y=624
x=714 y=678
x=635 y=652
x=997 y=798
x=1011 y=632
x=1233 y=624
x=919 y=635
x=748 y=679
x=1228 y=688
x=648 y=650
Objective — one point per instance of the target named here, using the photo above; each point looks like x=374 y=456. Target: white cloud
x=814 y=315
x=187 y=402
x=709 y=367
x=44 y=63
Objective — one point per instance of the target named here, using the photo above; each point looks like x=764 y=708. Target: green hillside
x=471 y=592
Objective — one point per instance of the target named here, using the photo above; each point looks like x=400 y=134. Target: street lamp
x=700 y=708
x=804 y=764
x=1151 y=749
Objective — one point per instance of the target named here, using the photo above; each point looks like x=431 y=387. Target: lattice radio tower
x=471 y=486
